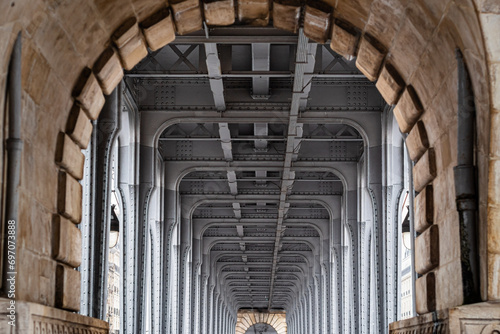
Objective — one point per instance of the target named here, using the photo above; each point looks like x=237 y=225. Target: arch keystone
x=187 y=15
x=219 y=12
x=254 y=12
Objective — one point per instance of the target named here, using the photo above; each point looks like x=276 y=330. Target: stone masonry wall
x=407 y=45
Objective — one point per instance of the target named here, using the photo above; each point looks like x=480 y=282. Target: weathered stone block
x=133 y=52
x=108 y=70
x=427 y=250
x=125 y=32
x=480 y=318
x=89 y=94
x=131 y=46
x=417 y=141
x=425 y=293
x=253 y=12
x=425 y=170
x=493 y=276
x=408 y=110
x=66 y=242
x=79 y=127
x=46 y=281
x=69 y=156
x=38 y=318
x=370 y=57
x=494 y=229
x=159 y=29
x=424 y=209
x=286 y=15
x=344 y=40
x=317 y=16
x=390 y=84
x=219 y=12
x=449 y=284
x=69 y=201
x=68 y=286
x=187 y=15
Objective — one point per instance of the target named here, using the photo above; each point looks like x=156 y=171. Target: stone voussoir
x=69 y=156
x=159 y=29
x=286 y=15
x=130 y=43
x=67 y=242
x=89 y=94
x=408 y=110
x=219 y=12
x=424 y=171
x=108 y=70
x=68 y=287
x=425 y=293
x=187 y=15
x=79 y=127
x=69 y=197
x=424 y=209
x=253 y=12
x=344 y=40
x=390 y=84
x=317 y=21
x=427 y=250
x=417 y=141
x=370 y=57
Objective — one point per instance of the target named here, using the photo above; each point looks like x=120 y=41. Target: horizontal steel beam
x=240 y=74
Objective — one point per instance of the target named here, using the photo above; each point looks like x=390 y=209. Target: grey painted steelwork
x=103 y=138
x=278 y=200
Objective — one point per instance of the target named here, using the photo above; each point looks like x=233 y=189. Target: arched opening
x=261 y=329
x=376 y=52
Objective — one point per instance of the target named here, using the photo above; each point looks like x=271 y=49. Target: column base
x=35 y=318
x=481 y=318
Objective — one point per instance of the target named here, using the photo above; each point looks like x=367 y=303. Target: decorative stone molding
x=35 y=318
x=482 y=318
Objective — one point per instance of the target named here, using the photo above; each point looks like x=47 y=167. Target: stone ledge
x=471 y=319
x=36 y=318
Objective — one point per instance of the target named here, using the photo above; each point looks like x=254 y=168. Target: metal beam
x=240 y=74
x=215 y=75
x=261 y=54
x=238 y=35
x=304 y=60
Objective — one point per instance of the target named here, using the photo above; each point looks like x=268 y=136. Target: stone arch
x=57 y=50
x=247 y=319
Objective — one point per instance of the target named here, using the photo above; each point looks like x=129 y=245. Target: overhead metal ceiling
x=260 y=217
